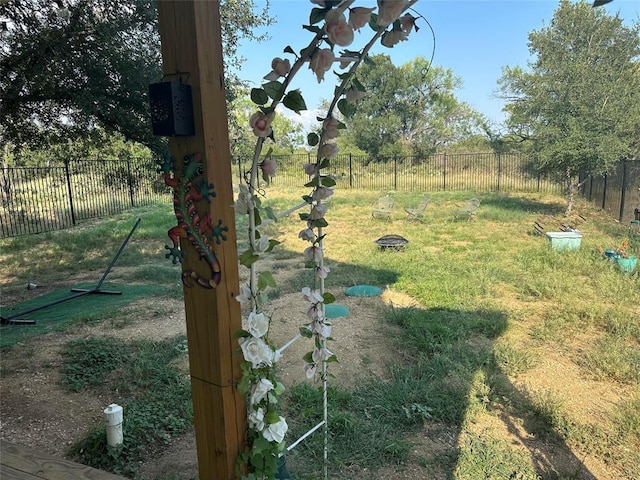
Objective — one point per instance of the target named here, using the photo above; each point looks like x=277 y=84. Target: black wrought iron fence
x=41 y=199
x=618 y=193
x=463 y=171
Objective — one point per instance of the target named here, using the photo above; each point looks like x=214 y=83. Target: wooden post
x=191 y=42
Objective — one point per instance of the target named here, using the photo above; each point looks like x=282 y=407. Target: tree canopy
x=577 y=106
x=76 y=68
x=410 y=109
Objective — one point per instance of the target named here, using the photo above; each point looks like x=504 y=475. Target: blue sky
x=473 y=38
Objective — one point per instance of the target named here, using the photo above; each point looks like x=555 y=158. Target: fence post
x=395 y=172
x=499 y=169
x=444 y=171
x=130 y=182
x=623 y=190
x=604 y=192
x=70 y=190
x=350 y=171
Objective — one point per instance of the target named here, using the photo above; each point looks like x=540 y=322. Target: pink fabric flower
x=261 y=124
x=353 y=94
x=322 y=272
x=313 y=253
x=390 y=10
x=321 y=62
x=310 y=168
x=321 y=193
x=330 y=126
x=310 y=370
x=269 y=167
x=307 y=234
x=328 y=150
x=338 y=30
x=393 y=37
x=359 y=17
x=407 y=23
x=318 y=211
x=279 y=68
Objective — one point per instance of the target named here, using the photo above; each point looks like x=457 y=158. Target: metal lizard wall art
x=189 y=189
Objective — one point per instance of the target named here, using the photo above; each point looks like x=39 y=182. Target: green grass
x=154 y=394
x=492 y=303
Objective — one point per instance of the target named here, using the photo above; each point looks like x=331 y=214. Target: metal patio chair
x=418 y=212
x=385 y=206
x=469 y=210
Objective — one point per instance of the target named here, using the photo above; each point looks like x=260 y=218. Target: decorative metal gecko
x=189 y=189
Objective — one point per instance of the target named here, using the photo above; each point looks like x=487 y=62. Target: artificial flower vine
x=266 y=427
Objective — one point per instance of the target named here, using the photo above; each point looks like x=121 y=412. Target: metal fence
x=41 y=199
x=482 y=172
x=618 y=193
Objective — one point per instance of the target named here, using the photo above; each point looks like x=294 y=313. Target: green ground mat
x=334 y=311
x=363 y=291
x=85 y=307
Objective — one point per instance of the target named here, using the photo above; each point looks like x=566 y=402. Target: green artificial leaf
x=247 y=258
x=356 y=83
x=288 y=49
x=320 y=223
x=317 y=15
x=266 y=178
x=345 y=107
x=270 y=213
x=279 y=388
x=307 y=198
x=243 y=385
x=311 y=28
x=304 y=216
x=265 y=279
x=324 y=163
x=328 y=182
x=305 y=332
x=294 y=101
x=274 y=89
x=313 y=139
x=272 y=243
x=308 y=357
x=259 y=96
x=313 y=183
x=257 y=461
x=272 y=417
x=241 y=334
x=328 y=298
x=331 y=359
x=373 y=22
x=369 y=61
x=260 y=444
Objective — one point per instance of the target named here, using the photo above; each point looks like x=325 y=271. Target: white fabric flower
x=310 y=369
x=313 y=296
x=245 y=294
x=315 y=314
x=261 y=390
x=353 y=95
x=261 y=123
x=310 y=168
x=258 y=324
x=262 y=245
x=321 y=354
x=313 y=253
x=256 y=419
x=307 y=234
x=393 y=37
x=256 y=351
x=318 y=211
x=321 y=193
x=275 y=432
x=322 y=272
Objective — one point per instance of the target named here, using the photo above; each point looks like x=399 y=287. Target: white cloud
x=306 y=118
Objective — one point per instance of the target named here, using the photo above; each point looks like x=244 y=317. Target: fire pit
x=395 y=242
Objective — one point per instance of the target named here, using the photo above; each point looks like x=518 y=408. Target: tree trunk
x=570 y=191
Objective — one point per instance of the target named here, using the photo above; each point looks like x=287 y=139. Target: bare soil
x=37 y=412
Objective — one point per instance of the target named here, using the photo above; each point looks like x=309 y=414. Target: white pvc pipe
x=113 y=418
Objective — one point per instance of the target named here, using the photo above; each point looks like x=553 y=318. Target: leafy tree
x=78 y=68
x=578 y=104
x=409 y=109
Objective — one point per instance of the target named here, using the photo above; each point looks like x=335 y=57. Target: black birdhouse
x=171 y=109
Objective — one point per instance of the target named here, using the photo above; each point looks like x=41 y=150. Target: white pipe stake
x=113 y=418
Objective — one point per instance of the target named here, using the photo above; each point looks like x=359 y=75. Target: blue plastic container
x=564 y=240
